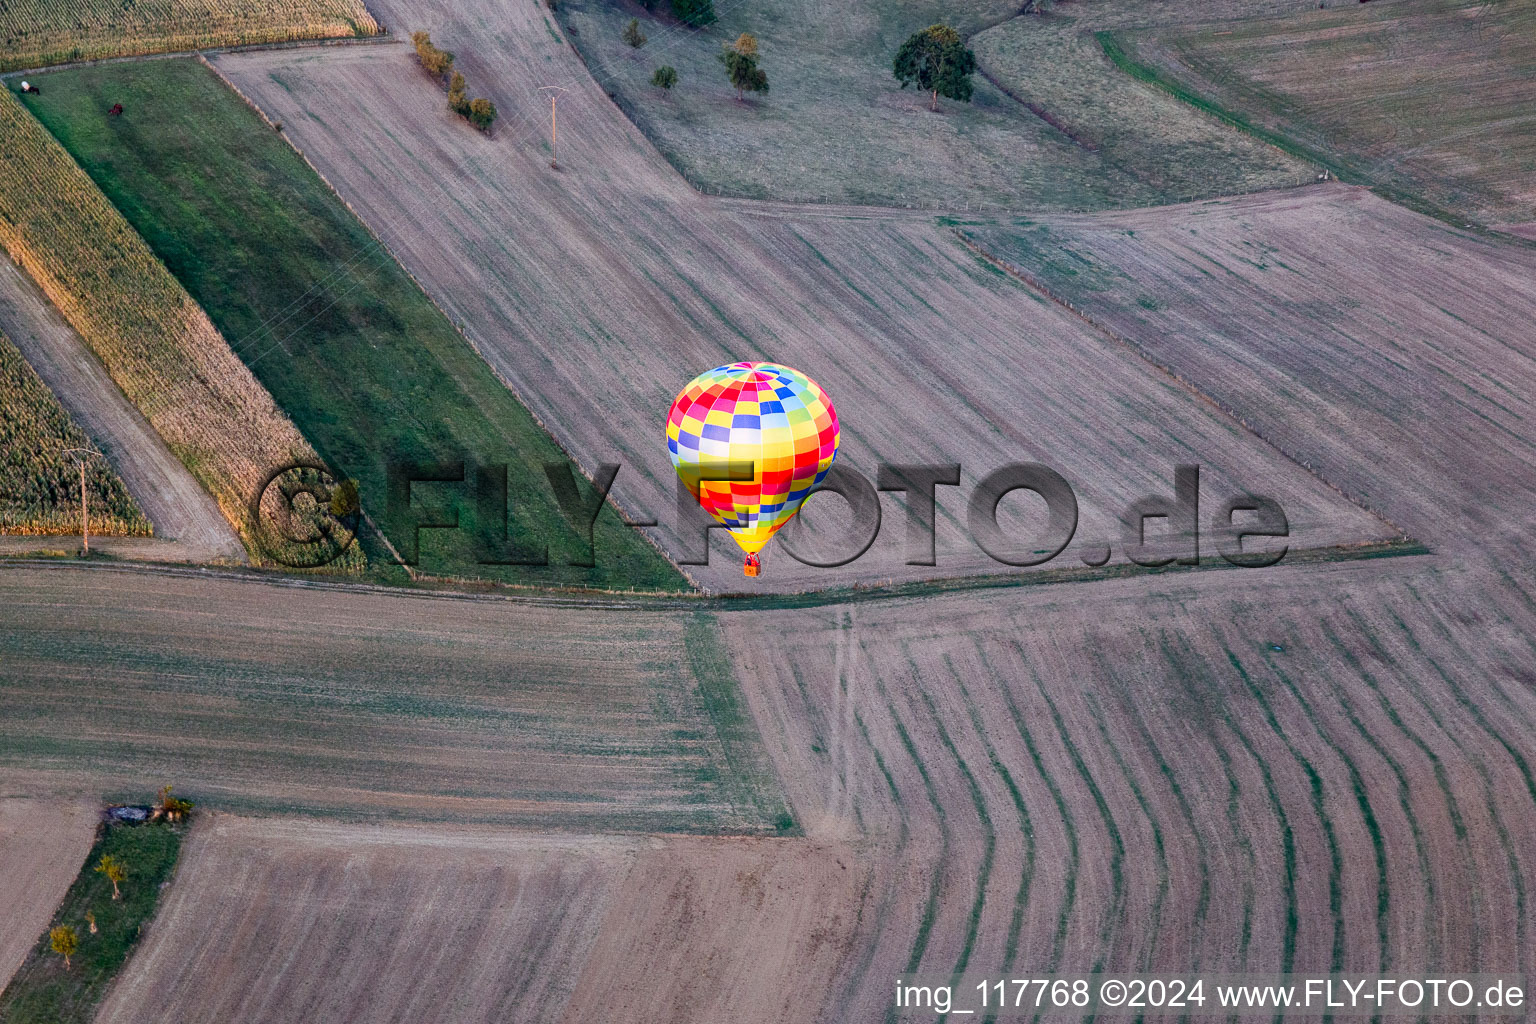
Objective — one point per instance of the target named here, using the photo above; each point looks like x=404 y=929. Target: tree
x=64 y=941
x=482 y=112
x=632 y=34
x=740 y=60
x=115 y=871
x=665 y=77
x=697 y=13
x=937 y=60
x=458 y=98
x=437 y=62
x=90 y=919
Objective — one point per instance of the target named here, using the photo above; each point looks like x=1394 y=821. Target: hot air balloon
x=775 y=418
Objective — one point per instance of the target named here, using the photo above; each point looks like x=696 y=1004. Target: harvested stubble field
x=597 y=330
x=1389 y=352
x=34 y=33
x=1432 y=99
x=1310 y=769
x=157 y=344
x=345 y=342
x=323 y=922
x=373 y=705
x=42 y=844
x=39 y=483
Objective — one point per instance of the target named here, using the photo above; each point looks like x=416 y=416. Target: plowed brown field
x=42 y=843
x=930 y=353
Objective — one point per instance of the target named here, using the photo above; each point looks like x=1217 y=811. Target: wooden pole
x=85 y=518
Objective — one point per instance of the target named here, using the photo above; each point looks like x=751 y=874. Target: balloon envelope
x=771 y=416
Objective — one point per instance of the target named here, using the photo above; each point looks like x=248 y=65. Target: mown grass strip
x=44 y=991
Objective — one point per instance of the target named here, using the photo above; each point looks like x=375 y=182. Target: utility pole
x=79 y=455
x=555 y=92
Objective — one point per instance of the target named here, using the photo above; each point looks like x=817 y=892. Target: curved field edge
x=34 y=33
x=39 y=482
x=45 y=988
x=1171 y=60
x=1053 y=65
x=154 y=340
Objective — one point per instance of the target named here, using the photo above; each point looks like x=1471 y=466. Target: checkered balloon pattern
x=771 y=416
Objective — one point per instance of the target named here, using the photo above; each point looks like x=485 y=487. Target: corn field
x=39 y=484
x=34 y=33
x=155 y=341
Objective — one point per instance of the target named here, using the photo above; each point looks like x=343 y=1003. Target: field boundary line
x=437 y=587
x=1037 y=285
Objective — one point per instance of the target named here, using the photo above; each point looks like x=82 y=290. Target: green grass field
x=351 y=349
x=835 y=124
x=1054 y=64
x=43 y=991
x=39 y=484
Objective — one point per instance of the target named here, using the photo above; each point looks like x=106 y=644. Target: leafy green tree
x=740 y=60
x=665 y=77
x=65 y=941
x=632 y=34
x=697 y=13
x=482 y=113
x=938 y=61
x=116 y=872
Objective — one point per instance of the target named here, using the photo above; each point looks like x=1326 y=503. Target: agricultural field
x=902 y=323
x=1431 y=100
x=158 y=345
x=367 y=367
x=258 y=697
x=1308 y=769
x=34 y=33
x=42 y=844
x=1054 y=64
x=104 y=913
x=188 y=525
x=835 y=126
x=1383 y=349
x=39 y=483
x=453 y=924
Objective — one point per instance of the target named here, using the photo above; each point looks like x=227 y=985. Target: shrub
x=632 y=34
x=437 y=62
x=482 y=112
x=665 y=77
